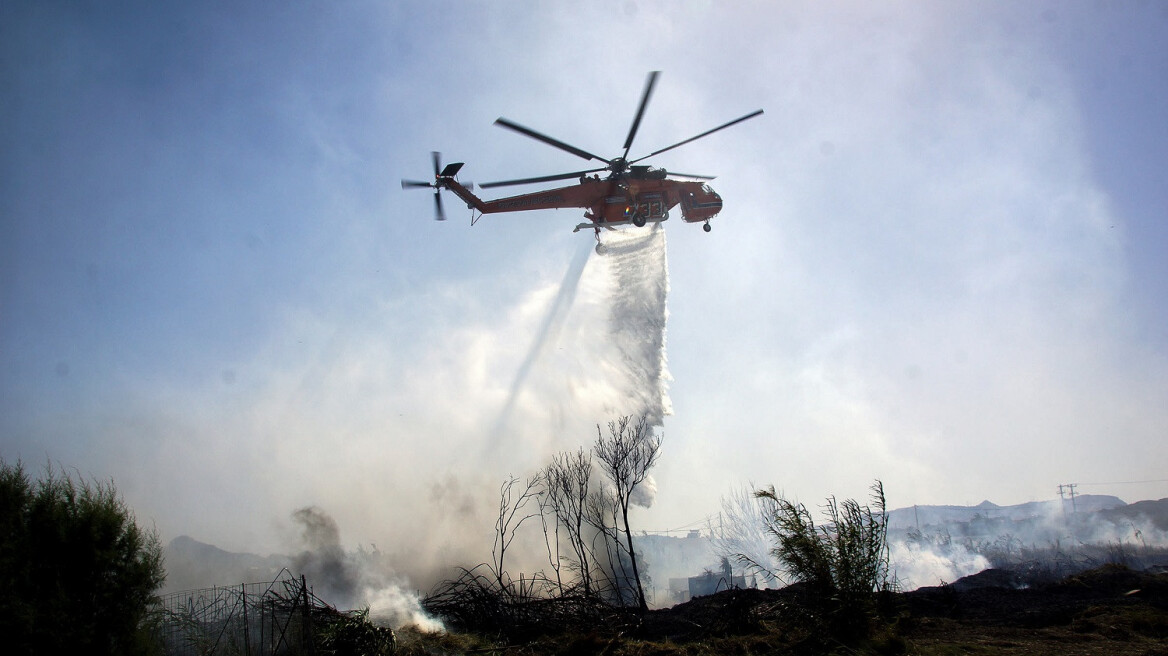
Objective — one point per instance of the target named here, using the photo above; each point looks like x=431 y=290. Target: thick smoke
x=361 y=578
x=322 y=559
x=915 y=564
x=645 y=494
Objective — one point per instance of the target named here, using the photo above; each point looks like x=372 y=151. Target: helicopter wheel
x=639 y=220
x=707 y=227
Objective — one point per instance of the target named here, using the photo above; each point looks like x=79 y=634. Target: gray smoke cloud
x=645 y=494
x=353 y=579
x=322 y=558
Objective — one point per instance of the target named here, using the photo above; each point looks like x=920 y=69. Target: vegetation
x=353 y=634
x=77 y=572
x=841 y=599
x=1110 y=610
x=843 y=564
x=626 y=455
x=582 y=500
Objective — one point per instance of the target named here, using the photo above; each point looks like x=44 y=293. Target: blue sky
x=940 y=261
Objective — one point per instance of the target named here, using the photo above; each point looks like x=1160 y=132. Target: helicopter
x=628 y=193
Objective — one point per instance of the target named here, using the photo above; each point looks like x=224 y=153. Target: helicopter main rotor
x=617 y=166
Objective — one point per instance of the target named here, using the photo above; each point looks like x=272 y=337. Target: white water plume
x=640 y=277
x=598 y=352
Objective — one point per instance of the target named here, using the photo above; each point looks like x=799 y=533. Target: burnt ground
x=1108 y=610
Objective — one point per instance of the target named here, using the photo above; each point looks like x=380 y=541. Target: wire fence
x=261 y=619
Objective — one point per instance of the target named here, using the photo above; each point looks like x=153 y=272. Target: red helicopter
x=628 y=194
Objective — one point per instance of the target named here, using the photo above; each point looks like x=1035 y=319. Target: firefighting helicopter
x=630 y=193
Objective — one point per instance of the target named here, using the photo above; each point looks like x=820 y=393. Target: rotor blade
x=409 y=184
x=704 y=134
x=437 y=157
x=545 y=178
x=439 y=215
x=690 y=175
x=510 y=125
x=649 y=84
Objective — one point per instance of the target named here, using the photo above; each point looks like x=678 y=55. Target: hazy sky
x=941 y=261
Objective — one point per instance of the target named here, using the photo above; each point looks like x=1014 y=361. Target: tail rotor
x=441 y=175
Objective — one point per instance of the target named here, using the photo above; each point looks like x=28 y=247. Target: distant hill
x=1154 y=511
x=905 y=518
x=191 y=564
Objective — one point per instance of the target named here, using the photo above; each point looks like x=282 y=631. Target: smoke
x=645 y=494
x=416 y=448
x=915 y=565
x=322 y=558
x=741 y=534
x=361 y=578
x=936 y=545
x=1035 y=538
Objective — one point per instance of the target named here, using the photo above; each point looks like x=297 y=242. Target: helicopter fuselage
x=613 y=201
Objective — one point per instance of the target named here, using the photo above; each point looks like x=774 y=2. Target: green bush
x=353 y=634
x=843 y=564
x=77 y=574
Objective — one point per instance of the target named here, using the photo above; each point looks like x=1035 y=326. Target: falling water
x=618 y=336
x=637 y=318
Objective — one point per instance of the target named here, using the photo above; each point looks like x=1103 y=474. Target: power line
x=1158 y=480
x=700 y=523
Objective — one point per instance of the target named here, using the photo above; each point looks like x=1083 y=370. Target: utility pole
x=1068 y=489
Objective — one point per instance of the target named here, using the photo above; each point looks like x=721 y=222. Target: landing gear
x=706 y=227
x=639 y=220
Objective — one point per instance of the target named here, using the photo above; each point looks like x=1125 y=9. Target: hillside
x=191 y=564
x=923 y=516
